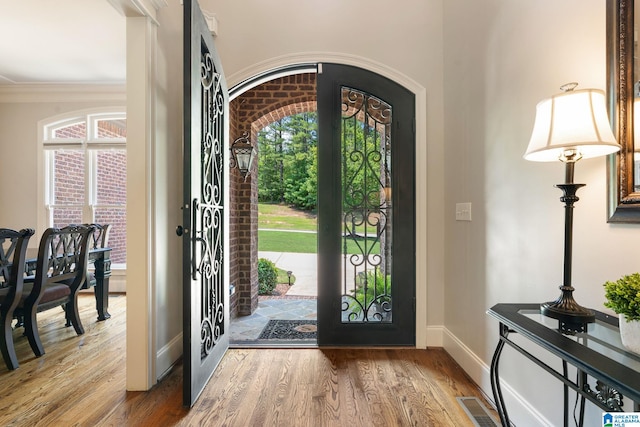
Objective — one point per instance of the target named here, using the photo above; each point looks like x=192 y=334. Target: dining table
x=100 y=258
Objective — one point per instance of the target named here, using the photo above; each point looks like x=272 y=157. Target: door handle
x=195 y=206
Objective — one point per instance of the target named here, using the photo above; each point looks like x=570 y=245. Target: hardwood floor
x=80 y=381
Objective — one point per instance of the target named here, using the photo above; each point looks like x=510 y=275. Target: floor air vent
x=476 y=411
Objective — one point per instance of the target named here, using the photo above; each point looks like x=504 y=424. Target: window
x=85 y=174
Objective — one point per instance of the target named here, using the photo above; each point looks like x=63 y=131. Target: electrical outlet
x=463 y=211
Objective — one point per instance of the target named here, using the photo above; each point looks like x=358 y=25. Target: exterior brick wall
x=77 y=131
x=251 y=112
x=112 y=190
x=234 y=182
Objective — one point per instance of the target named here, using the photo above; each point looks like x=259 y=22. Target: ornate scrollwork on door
x=366 y=208
x=209 y=210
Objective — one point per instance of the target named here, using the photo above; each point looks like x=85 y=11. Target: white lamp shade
x=571 y=120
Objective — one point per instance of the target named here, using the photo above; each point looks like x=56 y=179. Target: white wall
x=168 y=184
x=501 y=58
x=154 y=92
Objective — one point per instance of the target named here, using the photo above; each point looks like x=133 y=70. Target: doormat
x=289 y=330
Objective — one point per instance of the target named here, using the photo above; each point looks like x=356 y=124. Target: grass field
x=287 y=241
x=307 y=243
x=279 y=226
x=282 y=217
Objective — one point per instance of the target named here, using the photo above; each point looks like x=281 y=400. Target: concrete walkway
x=246 y=329
x=303 y=266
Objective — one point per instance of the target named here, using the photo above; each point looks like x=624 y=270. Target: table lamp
x=570 y=126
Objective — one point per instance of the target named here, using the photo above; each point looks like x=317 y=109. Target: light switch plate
x=463 y=211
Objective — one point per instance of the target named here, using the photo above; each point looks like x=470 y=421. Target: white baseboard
x=434 y=336
x=521 y=413
x=168 y=355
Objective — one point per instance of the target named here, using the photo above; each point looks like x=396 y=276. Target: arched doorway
x=256 y=103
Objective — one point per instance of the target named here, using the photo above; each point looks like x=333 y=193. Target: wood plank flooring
x=80 y=381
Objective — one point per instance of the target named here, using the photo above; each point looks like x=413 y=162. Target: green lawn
x=282 y=217
x=286 y=241
x=275 y=220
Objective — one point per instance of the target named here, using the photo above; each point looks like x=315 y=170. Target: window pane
x=68 y=175
x=111 y=175
x=77 y=130
x=113 y=128
x=63 y=216
x=117 y=236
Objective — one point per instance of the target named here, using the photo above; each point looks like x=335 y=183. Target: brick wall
x=234 y=183
x=251 y=112
x=77 y=131
x=112 y=190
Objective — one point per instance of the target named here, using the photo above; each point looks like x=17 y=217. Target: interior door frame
x=331 y=330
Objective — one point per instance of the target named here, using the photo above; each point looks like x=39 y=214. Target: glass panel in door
x=366 y=208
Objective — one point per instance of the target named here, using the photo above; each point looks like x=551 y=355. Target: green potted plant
x=623 y=297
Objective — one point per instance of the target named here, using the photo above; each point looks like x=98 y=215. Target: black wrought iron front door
x=205 y=296
x=366 y=209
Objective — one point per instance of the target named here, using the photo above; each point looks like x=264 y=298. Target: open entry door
x=366 y=209
x=205 y=217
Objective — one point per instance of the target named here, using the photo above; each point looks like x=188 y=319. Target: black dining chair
x=61 y=270
x=99 y=239
x=13 y=249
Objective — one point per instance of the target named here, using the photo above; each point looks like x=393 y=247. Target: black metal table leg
x=566 y=394
x=495 y=379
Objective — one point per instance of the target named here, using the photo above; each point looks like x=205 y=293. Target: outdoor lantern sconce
x=568 y=127
x=242 y=153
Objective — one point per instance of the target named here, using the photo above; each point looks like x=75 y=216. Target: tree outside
x=288 y=161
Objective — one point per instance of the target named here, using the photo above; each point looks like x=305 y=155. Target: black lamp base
x=572 y=317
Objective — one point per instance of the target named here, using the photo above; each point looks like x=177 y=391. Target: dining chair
x=61 y=270
x=13 y=249
x=99 y=239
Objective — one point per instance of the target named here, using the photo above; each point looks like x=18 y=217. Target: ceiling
x=61 y=42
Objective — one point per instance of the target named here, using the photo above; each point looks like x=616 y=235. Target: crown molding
x=159 y=4
x=62 y=93
x=136 y=8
